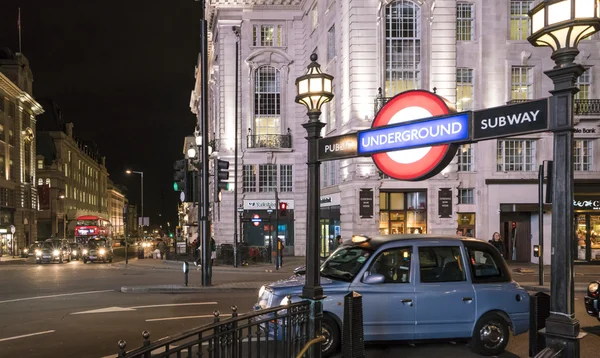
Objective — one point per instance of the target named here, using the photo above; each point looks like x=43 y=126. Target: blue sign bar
x=422 y=133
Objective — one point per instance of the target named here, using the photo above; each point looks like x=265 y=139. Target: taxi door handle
x=408 y=302
x=467 y=299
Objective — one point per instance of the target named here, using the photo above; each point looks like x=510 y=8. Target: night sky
x=122 y=72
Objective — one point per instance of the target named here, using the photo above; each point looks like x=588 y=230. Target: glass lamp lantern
x=561 y=24
x=314 y=88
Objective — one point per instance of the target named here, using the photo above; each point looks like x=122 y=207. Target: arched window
x=402 y=47
x=48 y=182
x=267 y=101
x=40 y=181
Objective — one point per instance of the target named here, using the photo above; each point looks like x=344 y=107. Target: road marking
x=51 y=296
x=185 y=317
x=125 y=309
x=26 y=335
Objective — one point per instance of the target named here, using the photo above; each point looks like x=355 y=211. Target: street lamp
x=561 y=24
x=240 y=211
x=142 y=189
x=313 y=90
x=270 y=212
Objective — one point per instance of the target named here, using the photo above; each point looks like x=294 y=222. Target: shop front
x=402 y=212
x=7 y=244
x=330 y=222
x=466 y=224
x=261 y=224
x=587 y=228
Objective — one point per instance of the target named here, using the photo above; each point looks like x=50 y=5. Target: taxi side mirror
x=374 y=279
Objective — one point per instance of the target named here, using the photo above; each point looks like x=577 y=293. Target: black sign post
x=512 y=120
x=445 y=203
x=366 y=203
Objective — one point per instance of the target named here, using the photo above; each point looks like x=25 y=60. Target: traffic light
x=282 y=208
x=180 y=175
x=221 y=175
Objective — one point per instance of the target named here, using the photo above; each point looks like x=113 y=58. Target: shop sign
x=417 y=163
x=516 y=119
x=588 y=204
x=445 y=202
x=330 y=200
x=366 y=203
x=584 y=131
x=338 y=147
x=266 y=204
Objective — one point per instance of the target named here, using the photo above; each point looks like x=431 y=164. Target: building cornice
x=13 y=90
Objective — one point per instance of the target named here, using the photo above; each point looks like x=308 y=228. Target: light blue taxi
x=417 y=287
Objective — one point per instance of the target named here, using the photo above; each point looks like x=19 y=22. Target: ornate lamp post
x=561 y=24
x=314 y=89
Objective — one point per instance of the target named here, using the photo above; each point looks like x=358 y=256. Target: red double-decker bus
x=90 y=227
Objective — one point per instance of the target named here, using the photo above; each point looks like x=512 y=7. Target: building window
x=402 y=212
x=267 y=177
x=1 y=132
x=464 y=89
x=2 y=166
x=521 y=83
x=331 y=120
x=584 y=83
x=516 y=155
x=465 y=196
x=465 y=158
x=315 y=18
x=465 y=18
x=286 y=179
x=11 y=137
x=40 y=163
x=1 y=104
x=330 y=174
x=466 y=224
x=267 y=101
x=403 y=47
x=519 y=19
x=48 y=182
x=40 y=181
x=12 y=110
x=66 y=190
x=267 y=35
x=331 y=43
x=66 y=169
x=583 y=155
x=12 y=174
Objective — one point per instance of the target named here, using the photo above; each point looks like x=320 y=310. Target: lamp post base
x=564 y=332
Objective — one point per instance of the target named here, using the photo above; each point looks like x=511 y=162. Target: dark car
x=30 y=251
x=592 y=300
x=53 y=250
x=76 y=250
x=97 y=250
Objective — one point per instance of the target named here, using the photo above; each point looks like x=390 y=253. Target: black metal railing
x=279 y=332
x=582 y=107
x=272 y=141
x=247 y=255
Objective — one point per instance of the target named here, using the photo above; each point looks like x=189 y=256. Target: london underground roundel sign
x=419 y=163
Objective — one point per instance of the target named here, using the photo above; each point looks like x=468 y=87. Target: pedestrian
x=459 y=232
x=162 y=247
x=213 y=251
x=498 y=243
x=339 y=240
x=281 y=247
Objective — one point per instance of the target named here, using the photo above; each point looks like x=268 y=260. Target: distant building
x=131 y=223
x=73 y=174
x=18 y=193
x=116 y=205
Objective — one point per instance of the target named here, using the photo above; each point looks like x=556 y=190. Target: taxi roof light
x=358 y=239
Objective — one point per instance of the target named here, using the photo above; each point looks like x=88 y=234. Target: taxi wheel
x=490 y=336
x=331 y=332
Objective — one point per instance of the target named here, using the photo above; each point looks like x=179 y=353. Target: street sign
x=338 y=147
x=256 y=220
x=511 y=120
x=417 y=163
x=12 y=229
x=431 y=131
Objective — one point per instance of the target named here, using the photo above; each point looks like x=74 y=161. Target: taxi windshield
x=345 y=263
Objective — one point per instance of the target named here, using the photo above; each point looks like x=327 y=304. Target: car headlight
x=38 y=252
x=102 y=251
x=56 y=252
x=85 y=252
x=593 y=287
x=25 y=250
x=285 y=301
x=74 y=252
x=261 y=291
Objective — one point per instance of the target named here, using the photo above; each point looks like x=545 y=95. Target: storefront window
x=466 y=224
x=402 y=213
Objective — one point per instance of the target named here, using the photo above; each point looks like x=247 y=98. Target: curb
x=547 y=289
x=185 y=289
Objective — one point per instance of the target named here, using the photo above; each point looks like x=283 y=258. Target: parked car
x=97 y=250
x=416 y=287
x=53 y=250
x=76 y=250
x=30 y=251
x=592 y=299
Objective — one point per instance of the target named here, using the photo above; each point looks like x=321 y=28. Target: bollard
x=186 y=270
x=353 y=344
x=122 y=345
x=539 y=310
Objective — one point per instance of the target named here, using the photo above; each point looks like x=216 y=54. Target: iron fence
x=279 y=332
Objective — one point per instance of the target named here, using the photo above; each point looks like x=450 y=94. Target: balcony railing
x=269 y=141
x=582 y=107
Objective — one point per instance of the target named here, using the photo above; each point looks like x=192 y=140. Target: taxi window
x=486 y=264
x=448 y=264
x=393 y=264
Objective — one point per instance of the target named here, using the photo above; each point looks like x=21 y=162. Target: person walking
x=162 y=248
x=213 y=251
x=281 y=247
x=498 y=243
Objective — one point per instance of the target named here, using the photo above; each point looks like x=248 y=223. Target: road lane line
x=51 y=296
x=185 y=317
x=26 y=335
x=175 y=305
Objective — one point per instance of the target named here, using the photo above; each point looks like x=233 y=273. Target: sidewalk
x=10 y=260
